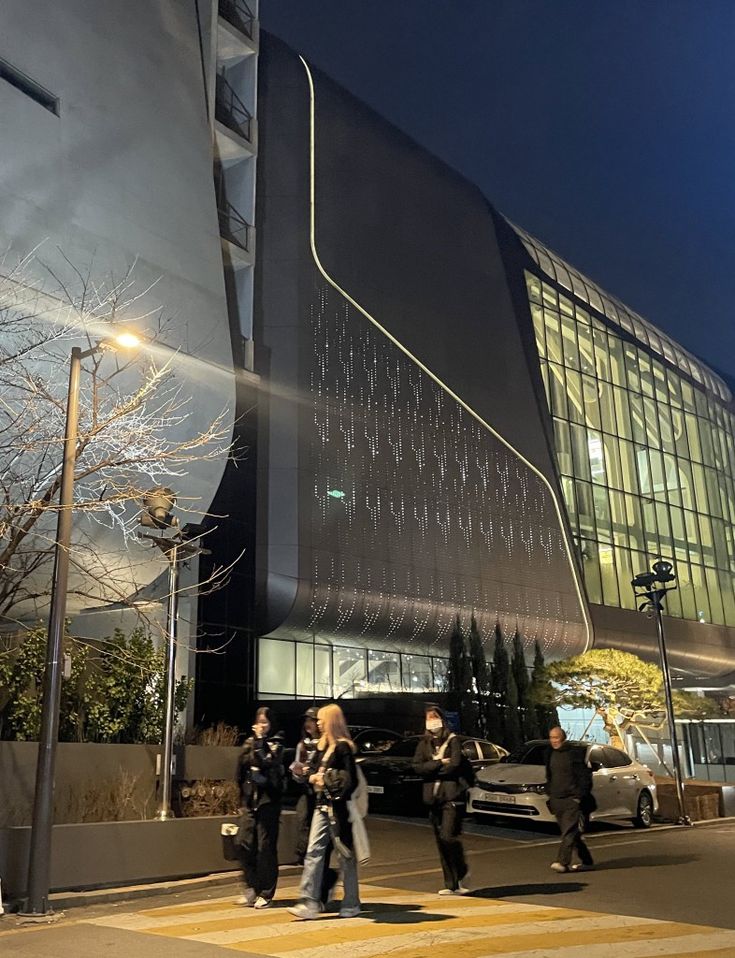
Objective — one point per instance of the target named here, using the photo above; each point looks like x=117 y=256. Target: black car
x=369 y=739
x=392 y=782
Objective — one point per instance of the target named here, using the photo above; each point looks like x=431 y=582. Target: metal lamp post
x=39 y=865
x=157 y=513
x=652 y=587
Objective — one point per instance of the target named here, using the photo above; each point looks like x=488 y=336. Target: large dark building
x=450 y=421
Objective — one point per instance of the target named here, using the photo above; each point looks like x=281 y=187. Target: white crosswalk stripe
x=409 y=924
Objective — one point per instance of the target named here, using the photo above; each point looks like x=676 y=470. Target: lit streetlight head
x=126 y=340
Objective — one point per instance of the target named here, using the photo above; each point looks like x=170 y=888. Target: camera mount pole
x=656 y=597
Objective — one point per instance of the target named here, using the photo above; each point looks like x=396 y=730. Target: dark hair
x=267 y=713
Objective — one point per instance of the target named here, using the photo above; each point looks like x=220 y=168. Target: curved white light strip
x=414 y=359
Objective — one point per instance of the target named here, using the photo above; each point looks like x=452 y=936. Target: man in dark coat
x=569 y=787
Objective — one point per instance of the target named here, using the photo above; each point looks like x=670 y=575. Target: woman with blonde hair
x=334 y=779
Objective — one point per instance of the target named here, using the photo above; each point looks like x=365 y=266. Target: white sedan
x=623 y=788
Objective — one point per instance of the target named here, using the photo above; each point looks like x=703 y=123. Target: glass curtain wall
x=646 y=460
x=289 y=669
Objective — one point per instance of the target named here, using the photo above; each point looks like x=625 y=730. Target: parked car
x=623 y=787
x=392 y=782
x=369 y=739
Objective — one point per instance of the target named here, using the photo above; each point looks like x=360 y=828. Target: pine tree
x=498 y=689
x=529 y=724
x=482 y=680
x=546 y=715
x=459 y=680
x=513 y=723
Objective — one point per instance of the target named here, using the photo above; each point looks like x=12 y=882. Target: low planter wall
x=703 y=800
x=87 y=774
x=100 y=854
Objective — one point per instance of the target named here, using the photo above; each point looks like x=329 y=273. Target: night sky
x=606 y=129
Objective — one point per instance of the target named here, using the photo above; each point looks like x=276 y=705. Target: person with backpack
x=334 y=780
x=261 y=778
x=440 y=763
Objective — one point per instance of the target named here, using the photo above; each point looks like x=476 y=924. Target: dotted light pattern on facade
x=418 y=512
x=646 y=457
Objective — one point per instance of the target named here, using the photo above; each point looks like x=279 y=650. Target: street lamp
x=652 y=587
x=157 y=512
x=39 y=865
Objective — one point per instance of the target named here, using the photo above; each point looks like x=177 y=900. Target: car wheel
x=644 y=818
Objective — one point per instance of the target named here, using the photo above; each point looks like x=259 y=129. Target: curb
x=106 y=896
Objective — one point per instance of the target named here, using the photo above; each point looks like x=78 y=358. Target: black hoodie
x=260 y=770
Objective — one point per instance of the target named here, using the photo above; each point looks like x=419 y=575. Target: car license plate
x=375 y=790
x=500 y=797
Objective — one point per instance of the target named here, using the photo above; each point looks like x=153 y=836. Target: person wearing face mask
x=438 y=760
x=260 y=775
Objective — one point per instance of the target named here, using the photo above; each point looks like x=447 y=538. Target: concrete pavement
x=662 y=892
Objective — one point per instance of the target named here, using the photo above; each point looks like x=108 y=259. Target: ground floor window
x=304 y=670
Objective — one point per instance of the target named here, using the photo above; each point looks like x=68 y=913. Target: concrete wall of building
x=123 y=176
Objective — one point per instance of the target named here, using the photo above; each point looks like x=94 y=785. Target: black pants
x=567 y=813
x=258 y=842
x=446 y=819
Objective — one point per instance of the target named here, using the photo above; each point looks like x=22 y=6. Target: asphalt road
x=681 y=876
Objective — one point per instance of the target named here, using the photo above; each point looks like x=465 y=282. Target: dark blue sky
x=607 y=129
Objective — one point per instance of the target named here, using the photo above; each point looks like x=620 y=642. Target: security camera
x=644 y=580
x=664 y=570
x=158 y=505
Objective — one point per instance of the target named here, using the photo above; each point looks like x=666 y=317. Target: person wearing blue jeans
x=334 y=779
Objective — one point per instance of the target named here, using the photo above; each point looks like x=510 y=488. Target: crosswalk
x=406 y=924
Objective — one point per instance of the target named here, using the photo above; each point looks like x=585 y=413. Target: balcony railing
x=230 y=110
x=239 y=14
x=232 y=224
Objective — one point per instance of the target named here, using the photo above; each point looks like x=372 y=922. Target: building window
x=646 y=459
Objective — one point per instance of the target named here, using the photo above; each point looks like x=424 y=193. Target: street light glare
x=127 y=340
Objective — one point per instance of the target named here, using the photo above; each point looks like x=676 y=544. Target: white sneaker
x=247 y=898
x=459 y=890
x=445 y=891
x=305 y=912
x=558 y=867
x=350 y=912
x=261 y=902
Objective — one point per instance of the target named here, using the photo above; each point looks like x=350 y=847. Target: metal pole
x=39 y=866
x=164 y=811
x=676 y=761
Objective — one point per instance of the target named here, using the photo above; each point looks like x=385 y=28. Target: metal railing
x=230 y=110
x=232 y=224
x=239 y=14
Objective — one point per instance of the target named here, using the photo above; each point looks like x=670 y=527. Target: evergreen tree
x=498 y=689
x=529 y=724
x=513 y=722
x=482 y=680
x=546 y=715
x=459 y=680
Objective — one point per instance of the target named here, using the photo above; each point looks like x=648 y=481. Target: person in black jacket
x=334 y=780
x=260 y=775
x=569 y=787
x=438 y=761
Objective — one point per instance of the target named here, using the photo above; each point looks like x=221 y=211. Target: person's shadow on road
x=647 y=861
x=535 y=888
x=385 y=913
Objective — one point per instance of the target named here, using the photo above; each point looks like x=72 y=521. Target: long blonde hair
x=334 y=728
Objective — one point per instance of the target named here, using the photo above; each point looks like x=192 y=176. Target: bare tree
x=137 y=431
